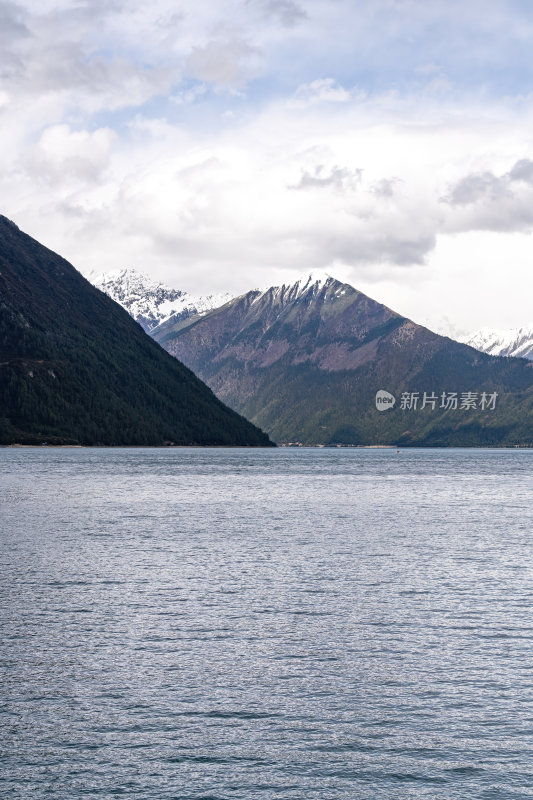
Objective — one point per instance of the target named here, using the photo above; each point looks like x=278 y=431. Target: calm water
x=224 y=624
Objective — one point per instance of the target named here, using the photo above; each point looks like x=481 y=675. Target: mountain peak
x=130 y=280
x=149 y=301
x=8 y=221
x=312 y=281
x=316 y=276
x=516 y=342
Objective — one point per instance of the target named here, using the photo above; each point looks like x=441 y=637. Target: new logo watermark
x=447 y=401
x=384 y=400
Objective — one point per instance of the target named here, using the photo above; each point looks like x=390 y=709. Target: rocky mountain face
x=517 y=342
x=76 y=369
x=307 y=362
x=150 y=302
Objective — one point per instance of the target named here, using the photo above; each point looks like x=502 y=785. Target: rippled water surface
x=240 y=624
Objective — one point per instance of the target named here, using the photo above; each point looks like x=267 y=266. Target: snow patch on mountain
x=311 y=282
x=150 y=302
x=315 y=278
x=516 y=342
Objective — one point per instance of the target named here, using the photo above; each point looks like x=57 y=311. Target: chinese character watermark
x=446 y=401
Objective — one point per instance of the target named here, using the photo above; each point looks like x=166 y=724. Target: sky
x=222 y=146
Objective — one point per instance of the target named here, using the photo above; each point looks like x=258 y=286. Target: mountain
x=311 y=362
x=150 y=302
x=517 y=342
x=75 y=368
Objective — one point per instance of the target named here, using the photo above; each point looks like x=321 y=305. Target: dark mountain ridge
x=75 y=368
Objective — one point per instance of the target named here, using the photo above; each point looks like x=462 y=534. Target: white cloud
x=62 y=155
x=287 y=12
x=485 y=201
x=323 y=90
x=476 y=187
x=189 y=95
x=226 y=63
x=338 y=178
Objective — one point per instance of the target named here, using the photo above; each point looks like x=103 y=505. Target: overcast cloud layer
x=229 y=145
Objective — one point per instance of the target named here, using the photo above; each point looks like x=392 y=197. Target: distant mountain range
x=76 y=369
x=516 y=342
x=307 y=361
x=150 y=302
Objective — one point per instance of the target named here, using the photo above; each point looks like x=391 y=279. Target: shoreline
x=17 y=446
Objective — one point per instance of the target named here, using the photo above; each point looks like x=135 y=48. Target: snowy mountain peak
x=314 y=281
x=313 y=278
x=516 y=342
x=130 y=282
x=308 y=282
x=150 y=302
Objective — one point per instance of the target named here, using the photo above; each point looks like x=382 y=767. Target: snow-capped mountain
x=150 y=302
x=306 y=360
x=307 y=286
x=268 y=303
x=309 y=281
x=516 y=342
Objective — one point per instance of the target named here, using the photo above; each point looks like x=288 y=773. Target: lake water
x=242 y=624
